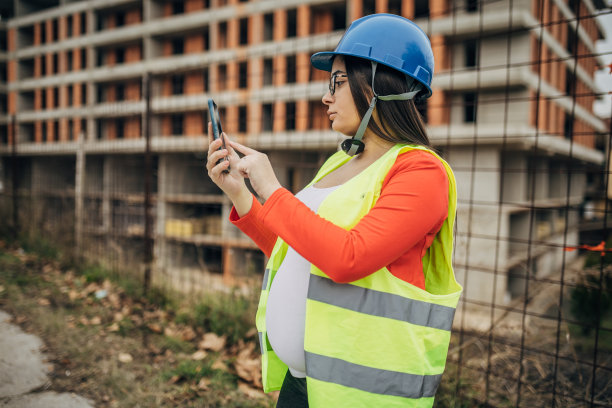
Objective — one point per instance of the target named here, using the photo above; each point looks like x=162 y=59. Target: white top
x=286 y=310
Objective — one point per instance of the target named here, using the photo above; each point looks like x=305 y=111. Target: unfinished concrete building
x=511 y=111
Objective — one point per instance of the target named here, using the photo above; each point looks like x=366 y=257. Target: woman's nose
x=327 y=98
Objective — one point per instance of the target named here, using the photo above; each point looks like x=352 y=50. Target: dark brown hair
x=398 y=121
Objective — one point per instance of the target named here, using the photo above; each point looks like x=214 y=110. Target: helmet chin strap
x=355 y=145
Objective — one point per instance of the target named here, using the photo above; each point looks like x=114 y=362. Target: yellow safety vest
x=378 y=341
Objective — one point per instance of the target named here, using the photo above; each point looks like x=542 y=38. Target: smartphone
x=213 y=112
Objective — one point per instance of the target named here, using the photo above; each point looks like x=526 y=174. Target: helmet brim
x=323 y=60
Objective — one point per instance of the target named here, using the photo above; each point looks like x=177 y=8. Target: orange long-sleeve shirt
x=395 y=233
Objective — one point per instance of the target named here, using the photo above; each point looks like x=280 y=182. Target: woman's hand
x=257 y=168
x=232 y=182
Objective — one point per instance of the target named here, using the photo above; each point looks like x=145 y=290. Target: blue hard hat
x=388 y=39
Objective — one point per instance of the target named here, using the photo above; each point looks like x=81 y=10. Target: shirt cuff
x=246 y=218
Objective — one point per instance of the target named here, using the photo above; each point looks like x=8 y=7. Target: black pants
x=293 y=393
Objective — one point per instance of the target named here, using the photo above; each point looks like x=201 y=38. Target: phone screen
x=213 y=112
x=215 y=119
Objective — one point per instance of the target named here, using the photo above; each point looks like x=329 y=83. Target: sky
x=603 y=78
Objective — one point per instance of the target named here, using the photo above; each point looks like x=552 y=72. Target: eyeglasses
x=333 y=82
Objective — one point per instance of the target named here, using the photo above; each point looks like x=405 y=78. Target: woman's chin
x=343 y=129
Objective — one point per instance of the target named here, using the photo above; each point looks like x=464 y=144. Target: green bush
x=231 y=315
x=39 y=246
x=95 y=274
x=591 y=299
x=189 y=370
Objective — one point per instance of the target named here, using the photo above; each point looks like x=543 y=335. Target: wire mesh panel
x=105 y=147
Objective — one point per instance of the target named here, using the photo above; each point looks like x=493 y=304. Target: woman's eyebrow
x=338 y=72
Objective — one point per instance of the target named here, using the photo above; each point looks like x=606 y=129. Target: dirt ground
x=123 y=352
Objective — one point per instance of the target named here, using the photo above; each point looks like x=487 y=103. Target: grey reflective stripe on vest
x=381 y=304
x=261 y=343
x=264 y=284
x=370 y=379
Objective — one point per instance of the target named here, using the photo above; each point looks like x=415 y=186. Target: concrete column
x=382 y=6
x=408 y=9
x=255 y=82
x=437 y=8
x=354 y=11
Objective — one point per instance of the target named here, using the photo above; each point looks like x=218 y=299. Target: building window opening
x=244 y=31
x=339 y=18
x=120 y=92
x=471 y=6
x=290 y=116
x=83 y=95
x=120 y=18
x=120 y=123
x=206 y=40
x=267 y=117
x=120 y=55
x=223 y=35
x=83 y=23
x=178 y=7
x=69 y=22
x=242 y=75
x=268 y=71
x=55 y=31
x=369 y=7
x=177 y=124
x=471 y=52
x=291 y=23
x=242 y=119
x=291 y=69
x=268 y=34
x=205 y=80
x=83 y=129
x=469 y=107
x=421 y=9
x=178 y=46
x=395 y=7
x=178 y=82
x=70 y=95
x=222 y=80
x=69 y=60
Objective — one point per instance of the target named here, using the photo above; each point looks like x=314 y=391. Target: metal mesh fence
x=113 y=166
